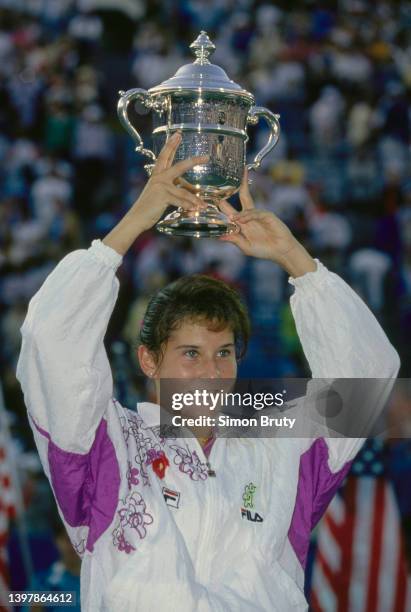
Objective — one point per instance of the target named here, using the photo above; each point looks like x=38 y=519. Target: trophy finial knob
x=203 y=47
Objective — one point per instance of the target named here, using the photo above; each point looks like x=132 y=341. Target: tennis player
x=191 y=524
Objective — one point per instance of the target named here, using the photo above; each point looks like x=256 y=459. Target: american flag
x=7 y=512
x=360 y=563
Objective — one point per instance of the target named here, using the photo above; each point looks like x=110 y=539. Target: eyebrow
x=196 y=346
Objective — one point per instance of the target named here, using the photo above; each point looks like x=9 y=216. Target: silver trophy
x=212 y=112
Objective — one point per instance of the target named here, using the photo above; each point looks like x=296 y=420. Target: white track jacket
x=186 y=541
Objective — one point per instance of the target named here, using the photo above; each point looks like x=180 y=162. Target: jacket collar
x=150 y=413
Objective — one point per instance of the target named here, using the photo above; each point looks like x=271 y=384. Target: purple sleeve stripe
x=317 y=486
x=86 y=486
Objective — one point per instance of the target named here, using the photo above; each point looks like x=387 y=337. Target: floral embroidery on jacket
x=143 y=472
x=153 y=454
x=165 y=432
x=121 y=543
x=132 y=473
x=133 y=519
x=131 y=426
x=189 y=463
x=137 y=438
x=80 y=546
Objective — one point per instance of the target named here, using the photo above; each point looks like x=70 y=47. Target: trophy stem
x=208 y=223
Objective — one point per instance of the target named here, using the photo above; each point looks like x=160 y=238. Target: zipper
x=210 y=471
x=203 y=456
x=203 y=555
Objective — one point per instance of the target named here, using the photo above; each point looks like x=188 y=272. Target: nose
x=211 y=369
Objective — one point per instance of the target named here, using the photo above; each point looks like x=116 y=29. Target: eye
x=224 y=352
x=191 y=353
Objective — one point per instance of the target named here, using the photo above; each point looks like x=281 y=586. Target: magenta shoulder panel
x=86 y=486
x=316 y=487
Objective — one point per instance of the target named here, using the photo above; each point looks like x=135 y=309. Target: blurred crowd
x=338 y=73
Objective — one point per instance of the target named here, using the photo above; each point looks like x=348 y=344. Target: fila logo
x=254 y=517
x=172 y=498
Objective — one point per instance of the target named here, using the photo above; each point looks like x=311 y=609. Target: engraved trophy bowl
x=212 y=113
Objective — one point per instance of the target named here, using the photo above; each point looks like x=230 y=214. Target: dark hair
x=194 y=298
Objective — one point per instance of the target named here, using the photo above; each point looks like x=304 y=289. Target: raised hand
x=160 y=191
x=262 y=234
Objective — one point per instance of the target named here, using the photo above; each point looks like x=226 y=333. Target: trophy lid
x=202 y=75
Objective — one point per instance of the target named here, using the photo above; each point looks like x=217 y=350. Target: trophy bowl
x=212 y=113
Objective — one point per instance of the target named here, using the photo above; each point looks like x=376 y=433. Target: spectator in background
x=92 y=153
x=62 y=576
x=326 y=118
x=52 y=187
x=369 y=268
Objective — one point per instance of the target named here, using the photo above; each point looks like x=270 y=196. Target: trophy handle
x=253 y=117
x=133 y=95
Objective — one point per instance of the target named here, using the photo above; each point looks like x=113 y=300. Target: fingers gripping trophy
x=211 y=112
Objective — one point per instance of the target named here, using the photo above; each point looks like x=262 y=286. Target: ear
x=147 y=361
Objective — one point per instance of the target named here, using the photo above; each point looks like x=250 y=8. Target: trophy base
x=208 y=223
